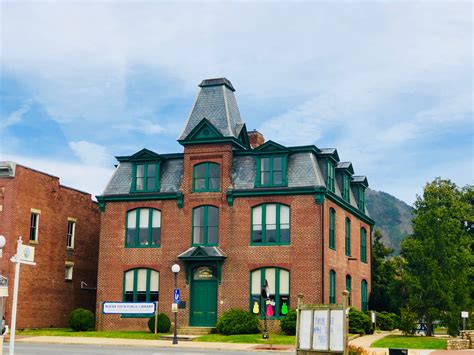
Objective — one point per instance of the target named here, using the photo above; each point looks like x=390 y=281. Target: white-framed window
x=34 y=225
x=68 y=271
x=71 y=232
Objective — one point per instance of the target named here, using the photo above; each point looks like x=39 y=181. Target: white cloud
x=85 y=177
x=143 y=126
x=90 y=153
x=16 y=116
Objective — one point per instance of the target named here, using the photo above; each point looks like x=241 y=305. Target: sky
x=389 y=84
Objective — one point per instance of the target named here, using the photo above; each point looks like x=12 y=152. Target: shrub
x=237 y=321
x=163 y=326
x=408 y=321
x=354 y=350
x=81 y=319
x=387 y=321
x=288 y=323
x=359 y=322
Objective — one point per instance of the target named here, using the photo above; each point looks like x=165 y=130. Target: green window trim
x=206 y=226
x=277 y=176
x=150 y=295
x=349 y=287
x=330 y=173
x=211 y=174
x=332 y=287
x=332 y=228
x=346 y=187
x=281 y=237
x=148 y=183
x=348 y=237
x=364 y=296
x=277 y=296
x=361 y=198
x=363 y=245
x=132 y=234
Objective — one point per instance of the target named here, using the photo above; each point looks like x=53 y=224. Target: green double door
x=203 y=310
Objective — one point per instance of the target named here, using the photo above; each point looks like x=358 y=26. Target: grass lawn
x=277 y=339
x=410 y=342
x=70 y=333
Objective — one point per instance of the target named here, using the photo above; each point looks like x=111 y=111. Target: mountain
x=392 y=217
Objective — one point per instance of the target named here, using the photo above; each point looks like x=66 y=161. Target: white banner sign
x=305 y=329
x=27 y=254
x=128 y=307
x=464 y=314
x=320 y=330
x=336 y=331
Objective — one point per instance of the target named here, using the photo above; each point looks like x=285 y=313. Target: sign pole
x=300 y=297
x=156 y=318
x=345 y=295
x=15 y=295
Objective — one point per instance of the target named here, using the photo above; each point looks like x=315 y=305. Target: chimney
x=256 y=139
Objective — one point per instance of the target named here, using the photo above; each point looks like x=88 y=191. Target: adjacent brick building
x=235 y=212
x=63 y=225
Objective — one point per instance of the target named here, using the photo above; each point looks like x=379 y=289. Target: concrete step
x=180 y=337
x=195 y=330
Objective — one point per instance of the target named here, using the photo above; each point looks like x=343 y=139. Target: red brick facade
x=45 y=298
x=307 y=257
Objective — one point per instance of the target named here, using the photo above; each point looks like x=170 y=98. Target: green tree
x=438 y=256
x=387 y=289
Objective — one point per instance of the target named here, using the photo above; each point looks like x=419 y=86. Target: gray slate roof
x=217 y=103
x=171 y=173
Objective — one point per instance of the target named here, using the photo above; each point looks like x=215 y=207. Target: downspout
x=322 y=252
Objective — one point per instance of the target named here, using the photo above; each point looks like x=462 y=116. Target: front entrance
x=203 y=308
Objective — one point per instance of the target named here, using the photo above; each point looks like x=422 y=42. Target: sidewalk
x=146 y=343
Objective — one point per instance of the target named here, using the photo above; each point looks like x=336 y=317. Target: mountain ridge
x=392 y=216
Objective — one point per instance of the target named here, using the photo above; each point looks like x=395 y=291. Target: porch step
x=195 y=330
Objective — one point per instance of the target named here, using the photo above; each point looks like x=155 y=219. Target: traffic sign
x=174 y=307
x=177 y=295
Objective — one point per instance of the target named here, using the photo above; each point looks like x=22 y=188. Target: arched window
x=206 y=177
x=278 y=281
x=141 y=285
x=332 y=228
x=349 y=287
x=348 y=237
x=363 y=245
x=270 y=224
x=143 y=226
x=332 y=286
x=206 y=225
x=363 y=296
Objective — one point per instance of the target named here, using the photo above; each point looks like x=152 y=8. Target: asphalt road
x=56 y=349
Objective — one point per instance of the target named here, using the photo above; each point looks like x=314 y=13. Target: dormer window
x=271 y=171
x=206 y=177
x=361 y=198
x=330 y=173
x=145 y=177
x=346 y=188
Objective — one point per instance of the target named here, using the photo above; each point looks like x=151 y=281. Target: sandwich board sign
x=321 y=329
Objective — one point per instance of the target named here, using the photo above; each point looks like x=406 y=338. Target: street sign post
x=24 y=255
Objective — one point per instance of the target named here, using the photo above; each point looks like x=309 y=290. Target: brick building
x=63 y=225
x=234 y=211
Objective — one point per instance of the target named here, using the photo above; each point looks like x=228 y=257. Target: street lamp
x=175 y=269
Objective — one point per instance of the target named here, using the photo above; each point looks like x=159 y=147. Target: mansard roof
x=215 y=102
